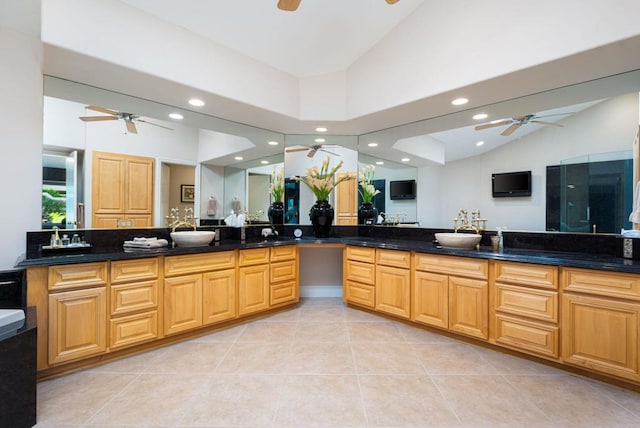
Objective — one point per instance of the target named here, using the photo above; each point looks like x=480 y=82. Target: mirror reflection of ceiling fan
x=313 y=149
x=292 y=5
x=518 y=121
x=130 y=119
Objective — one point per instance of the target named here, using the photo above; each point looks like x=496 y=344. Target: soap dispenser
x=500 y=239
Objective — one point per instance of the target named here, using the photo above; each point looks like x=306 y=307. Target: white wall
x=211 y=185
x=609 y=126
x=21 y=125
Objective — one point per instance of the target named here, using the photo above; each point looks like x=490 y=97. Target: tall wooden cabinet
x=347 y=200
x=121 y=190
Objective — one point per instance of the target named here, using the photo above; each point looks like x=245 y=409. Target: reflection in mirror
x=455 y=159
x=131 y=126
x=305 y=151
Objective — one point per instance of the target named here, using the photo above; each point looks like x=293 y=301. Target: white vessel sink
x=193 y=238
x=461 y=241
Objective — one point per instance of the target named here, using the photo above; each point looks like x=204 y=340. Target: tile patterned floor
x=325 y=365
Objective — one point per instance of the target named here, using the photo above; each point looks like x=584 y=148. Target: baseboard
x=321 y=291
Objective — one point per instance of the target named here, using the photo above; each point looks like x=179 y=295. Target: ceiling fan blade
x=547 y=123
x=154 y=124
x=102 y=110
x=301 y=149
x=392 y=1
x=288 y=5
x=557 y=114
x=96 y=118
x=331 y=153
x=311 y=153
x=494 y=124
x=131 y=127
x=510 y=130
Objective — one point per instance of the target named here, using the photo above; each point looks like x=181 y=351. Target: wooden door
x=218 y=296
x=347 y=200
x=253 y=289
x=77 y=324
x=431 y=299
x=469 y=307
x=107 y=183
x=393 y=291
x=182 y=303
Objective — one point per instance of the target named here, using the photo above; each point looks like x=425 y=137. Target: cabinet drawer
x=361 y=294
x=180 y=265
x=79 y=275
x=361 y=272
x=133 y=329
x=401 y=259
x=287 y=252
x=622 y=285
x=283 y=271
x=283 y=293
x=527 y=274
x=528 y=336
x=363 y=254
x=128 y=298
x=528 y=302
x=450 y=265
x=133 y=270
x=254 y=256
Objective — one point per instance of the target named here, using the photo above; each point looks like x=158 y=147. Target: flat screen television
x=402 y=189
x=511 y=184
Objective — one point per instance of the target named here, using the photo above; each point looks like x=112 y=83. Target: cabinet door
x=138 y=220
x=218 y=296
x=347 y=197
x=601 y=334
x=107 y=183
x=182 y=303
x=393 y=291
x=469 y=307
x=77 y=324
x=253 y=289
x=431 y=299
x=138 y=185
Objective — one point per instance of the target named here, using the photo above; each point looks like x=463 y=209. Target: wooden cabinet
x=253 y=281
x=122 y=190
x=451 y=292
x=393 y=282
x=599 y=332
x=359 y=276
x=199 y=289
x=525 y=302
x=347 y=200
x=283 y=275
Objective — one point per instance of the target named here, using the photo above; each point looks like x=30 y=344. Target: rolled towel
x=212 y=206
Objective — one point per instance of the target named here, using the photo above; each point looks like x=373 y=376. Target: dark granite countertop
x=554 y=258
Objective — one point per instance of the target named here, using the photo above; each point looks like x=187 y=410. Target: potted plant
x=276 y=209
x=367 y=213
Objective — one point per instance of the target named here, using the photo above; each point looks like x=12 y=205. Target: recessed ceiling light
x=372 y=144
x=176 y=116
x=321 y=129
x=459 y=101
x=405 y=159
x=319 y=140
x=379 y=163
x=273 y=143
x=238 y=158
x=196 y=102
x=264 y=162
x=479 y=143
x=480 y=116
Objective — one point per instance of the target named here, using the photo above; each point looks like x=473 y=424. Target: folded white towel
x=212 y=207
x=146 y=243
x=634 y=217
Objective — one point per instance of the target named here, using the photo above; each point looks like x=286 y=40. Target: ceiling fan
x=313 y=149
x=292 y=5
x=517 y=121
x=130 y=119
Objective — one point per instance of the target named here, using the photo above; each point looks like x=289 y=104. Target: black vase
x=276 y=213
x=321 y=216
x=367 y=214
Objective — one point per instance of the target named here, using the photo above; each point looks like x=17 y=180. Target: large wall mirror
x=192 y=155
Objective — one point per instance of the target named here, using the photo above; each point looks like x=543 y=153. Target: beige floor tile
x=152 y=399
x=189 y=357
x=321 y=332
x=227 y=335
x=630 y=400
x=320 y=358
x=268 y=332
x=420 y=335
x=290 y=315
x=386 y=358
x=256 y=358
x=400 y=401
x=356 y=315
x=488 y=400
x=321 y=401
x=452 y=358
x=511 y=364
x=572 y=401
x=374 y=332
x=318 y=314
x=134 y=364
x=236 y=400
x=75 y=398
